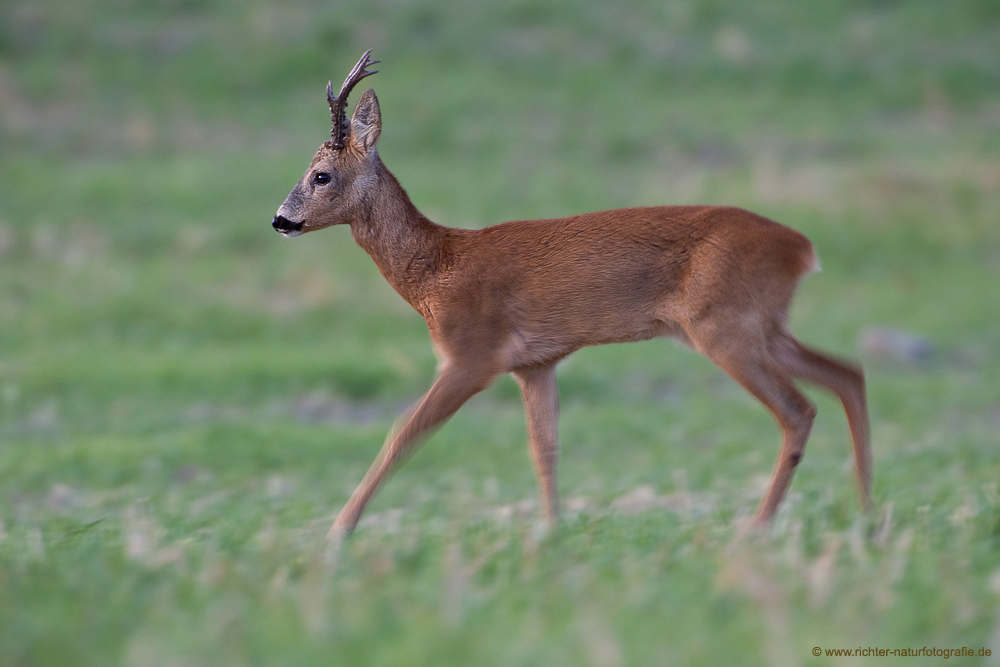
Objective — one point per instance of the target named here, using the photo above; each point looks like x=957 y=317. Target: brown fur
x=520 y=296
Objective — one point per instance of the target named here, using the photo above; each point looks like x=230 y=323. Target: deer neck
x=406 y=246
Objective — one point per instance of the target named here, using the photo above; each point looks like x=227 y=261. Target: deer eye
x=321 y=178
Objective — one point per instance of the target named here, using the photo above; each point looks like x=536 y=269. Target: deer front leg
x=541 y=408
x=452 y=388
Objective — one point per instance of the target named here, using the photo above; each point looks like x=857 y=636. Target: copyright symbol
x=817 y=650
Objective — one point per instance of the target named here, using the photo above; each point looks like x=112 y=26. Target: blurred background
x=186 y=398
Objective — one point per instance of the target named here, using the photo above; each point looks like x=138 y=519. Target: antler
x=338 y=106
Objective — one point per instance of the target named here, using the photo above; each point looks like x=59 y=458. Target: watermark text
x=908 y=652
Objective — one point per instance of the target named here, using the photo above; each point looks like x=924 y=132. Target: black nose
x=283 y=224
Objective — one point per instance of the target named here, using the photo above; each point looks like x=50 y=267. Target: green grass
x=187 y=399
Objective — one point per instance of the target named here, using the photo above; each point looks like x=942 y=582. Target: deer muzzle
x=287 y=227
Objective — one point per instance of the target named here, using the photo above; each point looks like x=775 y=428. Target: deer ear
x=366 y=125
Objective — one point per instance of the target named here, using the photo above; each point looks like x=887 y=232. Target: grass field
x=187 y=399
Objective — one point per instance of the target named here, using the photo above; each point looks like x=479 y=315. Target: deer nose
x=283 y=224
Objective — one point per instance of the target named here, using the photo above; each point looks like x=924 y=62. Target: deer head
x=342 y=169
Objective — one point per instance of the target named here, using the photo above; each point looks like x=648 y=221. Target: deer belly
x=541 y=344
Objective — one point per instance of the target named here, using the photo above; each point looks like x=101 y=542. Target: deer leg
x=773 y=387
x=451 y=389
x=848 y=383
x=541 y=409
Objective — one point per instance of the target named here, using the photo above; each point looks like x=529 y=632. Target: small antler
x=338 y=106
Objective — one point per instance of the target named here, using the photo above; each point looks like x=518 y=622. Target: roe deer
x=520 y=296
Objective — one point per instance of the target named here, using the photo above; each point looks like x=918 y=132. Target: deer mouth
x=287 y=227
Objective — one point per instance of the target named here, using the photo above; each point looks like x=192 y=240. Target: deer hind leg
x=541 y=409
x=452 y=388
x=843 y=379
x=752 y=365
